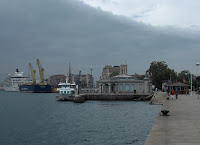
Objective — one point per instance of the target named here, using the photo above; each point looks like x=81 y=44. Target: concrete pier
x=158 y=98
x=181 y=126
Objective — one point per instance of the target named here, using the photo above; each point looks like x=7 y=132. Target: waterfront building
x=123 y=83
x=179 y=87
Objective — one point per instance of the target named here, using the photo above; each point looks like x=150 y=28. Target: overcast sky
x=93 y=33
x=180 y=13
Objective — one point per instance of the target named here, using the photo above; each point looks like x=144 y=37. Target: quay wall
x=111 y=97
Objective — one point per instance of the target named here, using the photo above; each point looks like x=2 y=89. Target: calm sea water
x=30 y=119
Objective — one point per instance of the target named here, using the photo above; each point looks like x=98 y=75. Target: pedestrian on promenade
x=168 y=91
x=198 y=92
x=176 y=92
x=186 y=91
x=172 y=93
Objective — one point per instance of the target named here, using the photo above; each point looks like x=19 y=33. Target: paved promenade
x=181 y=127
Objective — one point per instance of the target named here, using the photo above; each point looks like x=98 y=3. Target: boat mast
x=69 y=75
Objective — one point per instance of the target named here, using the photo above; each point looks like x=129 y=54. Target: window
x=121 y=87
x=127 y=87
x=132 y=87
x=140 y=87
x=64 y=92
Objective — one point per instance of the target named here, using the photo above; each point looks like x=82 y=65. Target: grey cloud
x=58 y=32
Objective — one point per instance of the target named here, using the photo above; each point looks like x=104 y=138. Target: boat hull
x=11 y=88
x=35 y=88
x=65 y=97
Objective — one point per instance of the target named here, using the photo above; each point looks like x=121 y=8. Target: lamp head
x=197 y=64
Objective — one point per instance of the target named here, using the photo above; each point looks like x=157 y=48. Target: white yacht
x=67 y=91
x=12 y=82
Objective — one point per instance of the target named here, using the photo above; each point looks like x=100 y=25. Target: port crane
x=32 y=74
x=41 y=72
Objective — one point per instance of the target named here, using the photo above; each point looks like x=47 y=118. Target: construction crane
x=41 y=72
x=32 y=74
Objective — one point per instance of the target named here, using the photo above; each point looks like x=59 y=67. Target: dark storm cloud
x=61 y=31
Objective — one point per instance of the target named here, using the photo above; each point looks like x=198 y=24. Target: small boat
x=66 y=91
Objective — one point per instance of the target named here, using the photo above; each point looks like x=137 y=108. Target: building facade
x=83 y=81
x=56 y=79
x=125 y=84
x=123 y=69
x=122 y=83
x=110 y=71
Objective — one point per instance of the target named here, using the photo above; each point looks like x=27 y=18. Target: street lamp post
x=190 y=83
x=197 y=64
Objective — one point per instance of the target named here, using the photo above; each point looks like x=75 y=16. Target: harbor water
x=36 y=118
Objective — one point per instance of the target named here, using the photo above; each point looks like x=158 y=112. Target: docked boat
x=66 y=91
x=33 y=87
x=37 y=88
x=12 y=82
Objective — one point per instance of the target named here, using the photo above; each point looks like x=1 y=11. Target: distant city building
x=83 y=81
x=97 y=84
x=123 y=69
x=110 y=71
x=56 y=79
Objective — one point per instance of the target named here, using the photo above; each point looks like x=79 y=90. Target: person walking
x=176 y=92
x=172 y=93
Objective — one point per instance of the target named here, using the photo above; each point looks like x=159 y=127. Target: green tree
x=159 y=71
x=196 y=82
x=184 y=77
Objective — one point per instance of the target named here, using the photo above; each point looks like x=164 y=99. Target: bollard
x=165 y=112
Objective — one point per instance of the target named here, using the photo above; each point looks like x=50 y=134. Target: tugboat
x=67 y=91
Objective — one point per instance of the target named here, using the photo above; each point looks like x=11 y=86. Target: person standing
x=186 y=92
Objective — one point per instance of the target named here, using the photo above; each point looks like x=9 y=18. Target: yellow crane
x=41 y=72
x=32 y=73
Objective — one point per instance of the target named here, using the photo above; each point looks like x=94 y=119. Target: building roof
x=123 y=76
x=178 y=84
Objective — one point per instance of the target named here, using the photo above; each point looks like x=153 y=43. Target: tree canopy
x=159 y=71
x=184 y=76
